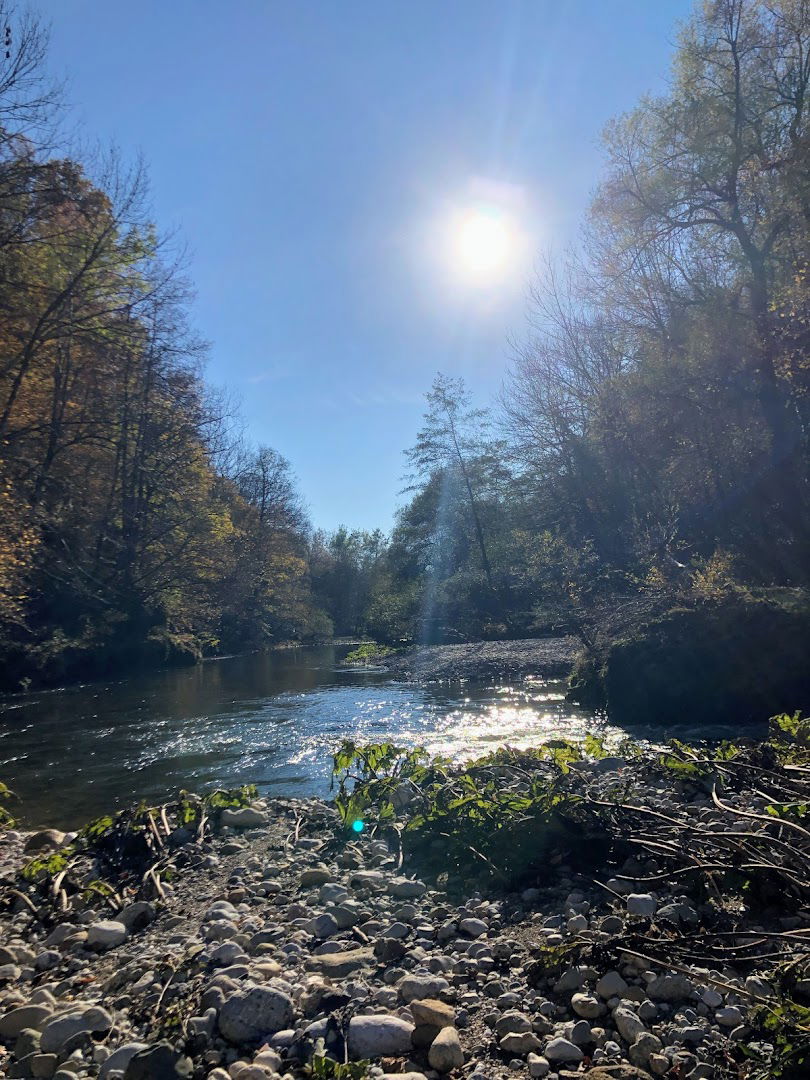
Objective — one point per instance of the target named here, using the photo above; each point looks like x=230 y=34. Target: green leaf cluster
x=326 y=1068
x=464 y=818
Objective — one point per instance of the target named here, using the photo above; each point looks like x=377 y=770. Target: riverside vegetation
x=568 y=911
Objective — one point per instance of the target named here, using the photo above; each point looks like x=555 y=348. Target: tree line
x=652 y=431
x=134 y=525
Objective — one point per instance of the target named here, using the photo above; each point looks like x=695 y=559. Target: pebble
x=379 y=1036
x=628 y=1024
x=61 y=1029
x=430 y=1011
x=538 y=1065
x=670 y=988
x=106 y=934
x=286 y=942
x=587 y=1006
x=562 y=1050
x=472 y=928
x=641 y=904
x=730 y=1016
x=610 y=985
x=251 y=1014
x=244 y=818
x=445 y=1053
x=522 y=1042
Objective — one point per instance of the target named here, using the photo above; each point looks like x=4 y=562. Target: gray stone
x=562 y=1050
x=62 y=1028
x=106 y=934
x=120 y=1058
x=416 y=987
x=47 y=960
x=404 y=888
x=587 y=1006
x=379 y=1036
x=472 y=928
x=244 y=818
x=670 y=988
x=338 y=965
x=322 y=926
x=512 y=1021
x=43 y=1066
x=251 y=1015
x=538 y=1066
x=641 y=904
x=581 y=1033
x=137 y=915
x=26 y=1016
x=520 y=1042
x=645 y=1045
x=730 y=1016
x=611 y=985
x=627 y=1023
x=45 y=838
x=27 y=1043
x=445 y=1053
x=158 y=1062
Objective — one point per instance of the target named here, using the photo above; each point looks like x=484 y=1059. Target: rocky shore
x=280 y=944
x=480 y=660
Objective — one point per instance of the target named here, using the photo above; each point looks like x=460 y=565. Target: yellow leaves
x=19 y=541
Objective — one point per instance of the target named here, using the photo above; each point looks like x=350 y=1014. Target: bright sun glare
x=483 y=246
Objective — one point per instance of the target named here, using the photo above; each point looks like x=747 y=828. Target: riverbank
x=550 y=658
x=248 y=948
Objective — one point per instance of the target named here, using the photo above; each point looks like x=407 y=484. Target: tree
x=707 y=202
x=453 y=441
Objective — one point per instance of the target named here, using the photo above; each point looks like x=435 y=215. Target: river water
x=271 y=719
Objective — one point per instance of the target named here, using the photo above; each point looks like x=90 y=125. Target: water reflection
x=270 y=719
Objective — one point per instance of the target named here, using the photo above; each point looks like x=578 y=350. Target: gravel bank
x=280 y=937
x=484 y=660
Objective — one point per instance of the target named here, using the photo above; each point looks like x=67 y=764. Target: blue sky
x=312 y=153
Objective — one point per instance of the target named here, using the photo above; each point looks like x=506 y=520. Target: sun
x=483 y=245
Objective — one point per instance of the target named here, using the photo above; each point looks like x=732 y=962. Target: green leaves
x=326 y=1068
x=499 y=828
x=367 y=653
x=6 y=819
x=230 y=798
x=46 y=866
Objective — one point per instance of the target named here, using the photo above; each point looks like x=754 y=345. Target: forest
x=650 y=441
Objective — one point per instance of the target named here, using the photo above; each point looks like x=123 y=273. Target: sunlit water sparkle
x=272 y=719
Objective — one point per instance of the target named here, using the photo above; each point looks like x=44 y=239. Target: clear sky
x=321 y=159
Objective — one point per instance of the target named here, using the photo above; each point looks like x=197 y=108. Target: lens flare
x=358 y=825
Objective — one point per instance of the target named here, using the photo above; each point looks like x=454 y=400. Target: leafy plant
x=468 y=812
x=47 y=866
x=787 y=1027
x=367 y=653
x=230 y=798
x=6 y=819
x=326 y=1068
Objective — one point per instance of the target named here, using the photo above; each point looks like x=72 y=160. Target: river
x=271 y=719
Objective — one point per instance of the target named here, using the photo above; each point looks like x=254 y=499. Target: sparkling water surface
x=271 y=719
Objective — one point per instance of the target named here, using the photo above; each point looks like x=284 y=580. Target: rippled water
x=271 y=719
